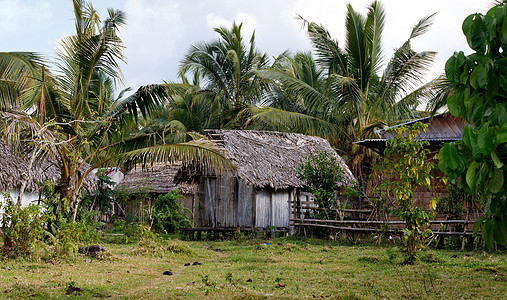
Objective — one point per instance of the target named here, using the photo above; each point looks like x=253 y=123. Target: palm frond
x=422 y=26
x=373 y=29
x=17 y=73
x=355 y=45
x=280 y=120
x=439 y=91
x=203 y=152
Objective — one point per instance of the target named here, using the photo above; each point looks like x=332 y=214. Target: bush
x=321 y=173
x=73 y=235
x=21 y=228
x=168 y=215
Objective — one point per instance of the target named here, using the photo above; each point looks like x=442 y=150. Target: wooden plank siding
x=245 y=196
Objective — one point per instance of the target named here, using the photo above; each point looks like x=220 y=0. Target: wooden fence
x=368 y=221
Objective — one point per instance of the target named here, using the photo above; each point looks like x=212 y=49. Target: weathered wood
x=377 y=222
x=245 y=204
x=280 y=208
x=343 y=228
x=263 y=208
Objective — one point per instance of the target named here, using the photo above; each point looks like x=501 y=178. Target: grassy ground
x=286 y=268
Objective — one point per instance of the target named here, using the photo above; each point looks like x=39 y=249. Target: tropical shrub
x=168 y=215
x=405 y=162
x=479 y=96
x=21 y=228
x=321 y=174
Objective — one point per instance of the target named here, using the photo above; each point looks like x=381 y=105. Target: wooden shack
x=442 y=128
x=259 y=193
x=148 y=184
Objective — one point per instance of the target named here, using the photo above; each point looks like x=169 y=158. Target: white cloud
x=18 y=17
x=152 y=34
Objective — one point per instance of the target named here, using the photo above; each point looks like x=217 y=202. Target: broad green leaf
x=504 y=26
x=471 y=176
x=452 y=70
x=467 y=26
x=452 y=104
x=478 y=224
x=476 y=38
x=497 y=114
x=450 y=155
x=487 y=233
x=485 y=140
x=495 y=182
x=496 y=160
x=479 y=76
x=500 y=232
x=501 y=136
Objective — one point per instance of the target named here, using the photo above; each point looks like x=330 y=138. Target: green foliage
x=21 y=228
x=58 y=211
x=104 y=194
x=73 y=235
x=479 y=97
x=405 y=162
x=321 y=174
x=168 y=215
x=453 y=203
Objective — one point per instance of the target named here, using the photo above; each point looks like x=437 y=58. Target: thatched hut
x=12 y=168
x=259 y=193
x=151 y=182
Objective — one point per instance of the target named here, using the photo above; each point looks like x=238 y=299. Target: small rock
x=249 y=280
x=168 y=273
x=196 y=263
x=91 y=250
x=187 y=264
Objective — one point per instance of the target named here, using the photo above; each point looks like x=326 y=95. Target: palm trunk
x=26 y=178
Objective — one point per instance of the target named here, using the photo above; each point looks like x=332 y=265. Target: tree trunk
x=26 y=177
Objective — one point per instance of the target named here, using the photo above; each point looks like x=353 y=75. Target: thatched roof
x=158 y=179
x=12 y=168
x=266 y=158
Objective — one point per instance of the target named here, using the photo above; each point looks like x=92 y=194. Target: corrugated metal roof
x=442 y=128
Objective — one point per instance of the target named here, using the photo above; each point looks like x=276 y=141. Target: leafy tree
x=72 y=117
x=352 y=97
x=404 y=168
x=479 y=96
x=322 y=175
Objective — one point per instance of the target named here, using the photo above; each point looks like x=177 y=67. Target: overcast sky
x=159 y=32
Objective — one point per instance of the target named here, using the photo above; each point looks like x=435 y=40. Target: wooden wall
x=229 y=202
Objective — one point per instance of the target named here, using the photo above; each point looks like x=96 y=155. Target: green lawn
x=287 y=268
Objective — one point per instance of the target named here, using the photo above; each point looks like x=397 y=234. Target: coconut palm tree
x=227 y=68
x=356 y=96
x=72 y=115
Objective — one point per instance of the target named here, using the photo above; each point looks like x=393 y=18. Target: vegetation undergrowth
x=289 y=267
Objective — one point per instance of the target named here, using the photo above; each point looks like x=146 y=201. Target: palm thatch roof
x=158 y=179
x=267 y=158
x=12 y=168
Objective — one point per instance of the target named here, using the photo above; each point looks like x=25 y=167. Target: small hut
x=151 y=182
x=260 y=192
x=12 y=168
